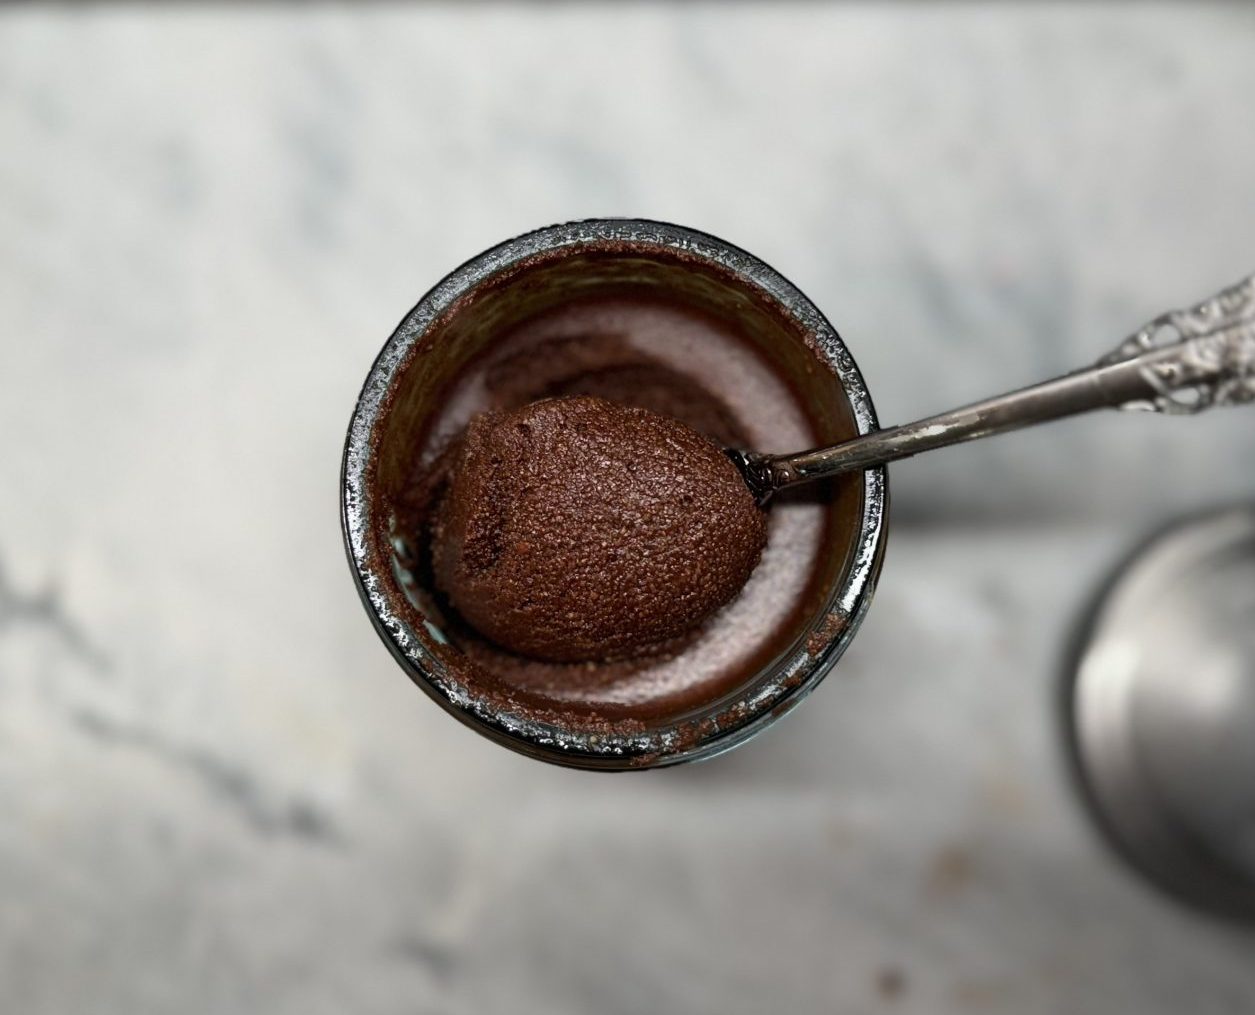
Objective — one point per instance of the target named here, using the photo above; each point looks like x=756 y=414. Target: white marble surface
x=218 y=793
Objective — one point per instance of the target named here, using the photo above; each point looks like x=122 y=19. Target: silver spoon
x=1183 y=361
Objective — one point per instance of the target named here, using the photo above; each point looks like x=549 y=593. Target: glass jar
x=460 y=319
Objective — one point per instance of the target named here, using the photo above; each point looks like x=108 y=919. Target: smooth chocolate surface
x=576 y=529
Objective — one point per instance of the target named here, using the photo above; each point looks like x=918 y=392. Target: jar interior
x=472 y=327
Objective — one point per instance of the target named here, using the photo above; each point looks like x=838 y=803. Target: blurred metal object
x=1161 y=711
x=1183 y=361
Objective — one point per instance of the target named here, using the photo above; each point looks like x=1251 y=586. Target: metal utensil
x=1183 y=361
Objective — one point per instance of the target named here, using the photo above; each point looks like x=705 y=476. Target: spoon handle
x=1183 y=361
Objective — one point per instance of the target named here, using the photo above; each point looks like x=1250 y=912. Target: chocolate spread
x=576 y=529
x=648 y=353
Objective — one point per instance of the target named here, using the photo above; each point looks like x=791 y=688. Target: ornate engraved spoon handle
x=1214 y=353
x=1183 y=361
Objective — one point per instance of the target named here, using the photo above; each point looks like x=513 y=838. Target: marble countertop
x=219 y=794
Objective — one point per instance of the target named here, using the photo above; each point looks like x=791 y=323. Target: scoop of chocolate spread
x=576 y=529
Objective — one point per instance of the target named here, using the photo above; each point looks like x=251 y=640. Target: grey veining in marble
x=218 y=793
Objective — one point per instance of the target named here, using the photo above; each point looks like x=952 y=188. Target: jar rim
x=763 y=701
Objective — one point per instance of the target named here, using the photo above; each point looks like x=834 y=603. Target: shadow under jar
x=667 y=319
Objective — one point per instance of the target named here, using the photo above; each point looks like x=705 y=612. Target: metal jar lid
x=1161 y=711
